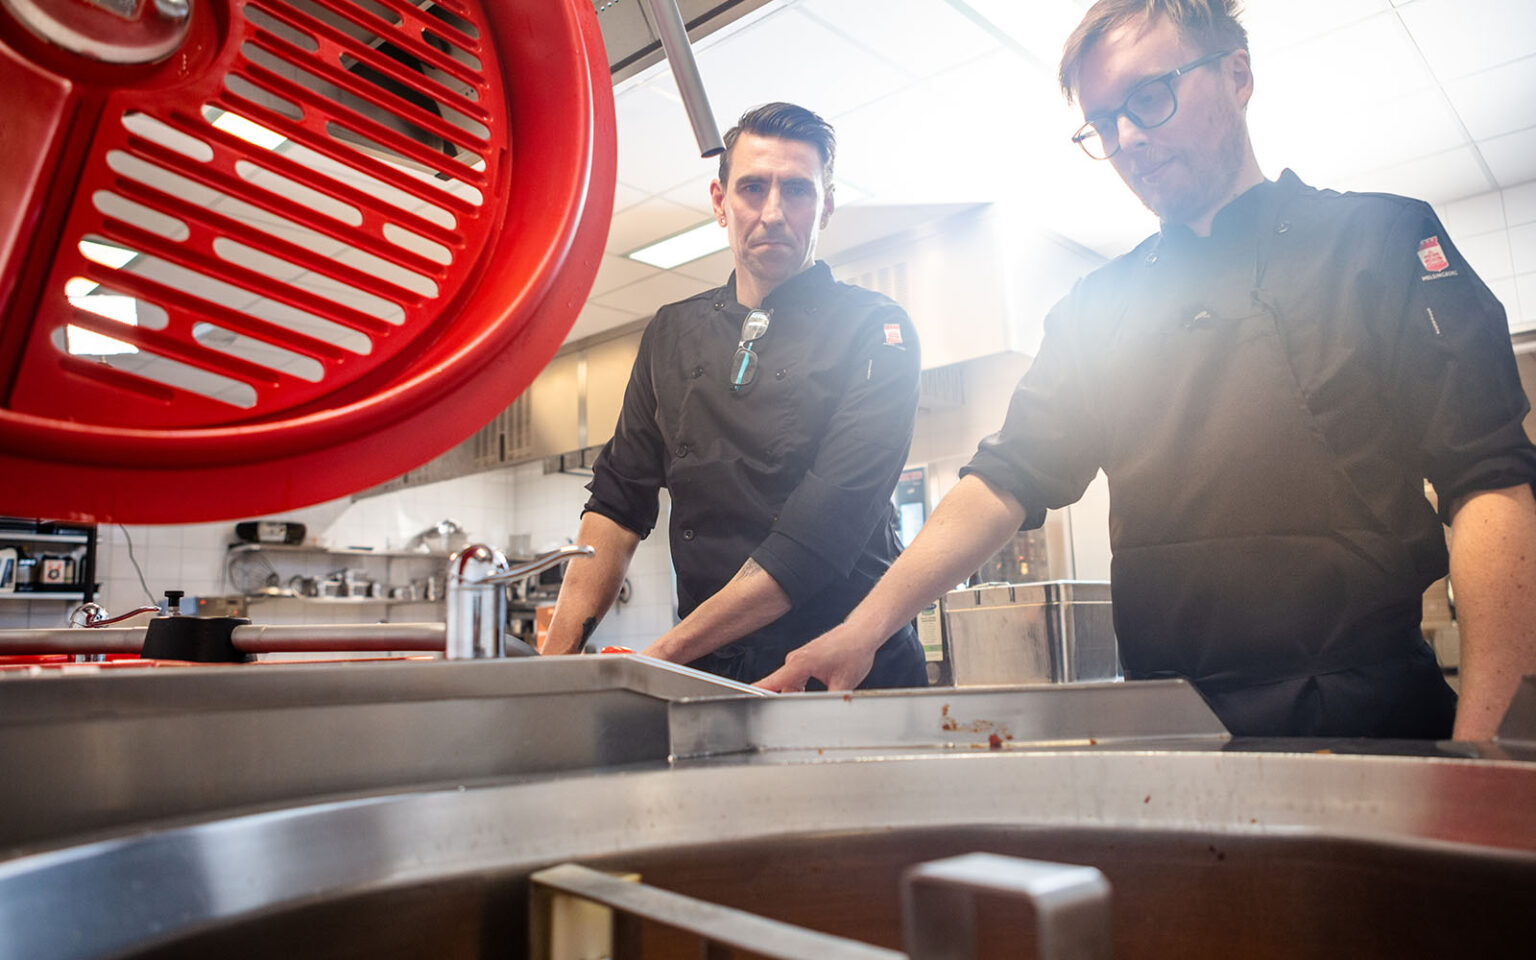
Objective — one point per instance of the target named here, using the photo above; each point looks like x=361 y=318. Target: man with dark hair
x=1267 y=382
x=777 y=410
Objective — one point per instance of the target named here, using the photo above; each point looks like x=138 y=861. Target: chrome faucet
x=477 y=599
x=92 y=614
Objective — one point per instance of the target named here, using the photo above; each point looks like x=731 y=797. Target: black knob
x=173 y=600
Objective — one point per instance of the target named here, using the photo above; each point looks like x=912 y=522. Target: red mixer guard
x=453 y=323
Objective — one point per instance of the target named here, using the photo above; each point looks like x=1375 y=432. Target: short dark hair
x=1211 y=24
x=789 y=122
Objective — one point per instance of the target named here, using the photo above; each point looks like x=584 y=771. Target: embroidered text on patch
x=893 y=334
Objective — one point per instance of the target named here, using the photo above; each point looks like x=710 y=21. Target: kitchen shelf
x=15 y=536
x=43 y=595
x=304 y=548
x=332 y=601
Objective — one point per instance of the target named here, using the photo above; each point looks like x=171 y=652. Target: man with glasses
x=777 y=410
x=1267 y=383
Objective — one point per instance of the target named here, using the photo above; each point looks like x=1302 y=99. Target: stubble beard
x=1211 y=177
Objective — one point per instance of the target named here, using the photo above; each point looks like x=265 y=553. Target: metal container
x=1055 y=631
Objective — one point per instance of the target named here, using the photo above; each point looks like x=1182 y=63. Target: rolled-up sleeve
x=1048 y=449
x=1451 y=367
x=630 y=468
x=827 y=520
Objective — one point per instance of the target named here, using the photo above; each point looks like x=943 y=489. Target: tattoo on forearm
x=586 y=629
x=748 y=569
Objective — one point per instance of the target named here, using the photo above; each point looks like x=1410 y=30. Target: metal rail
x=253 y=638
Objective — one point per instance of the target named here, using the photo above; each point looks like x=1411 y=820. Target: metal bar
x=1070 y=906
x=723 y=926
x=1058 y=714
x=22 y=642
x=317 y=637
x=252 y=638
x=668 y=23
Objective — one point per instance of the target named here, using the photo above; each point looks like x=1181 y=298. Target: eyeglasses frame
x=1090 y=125
x=744 y=348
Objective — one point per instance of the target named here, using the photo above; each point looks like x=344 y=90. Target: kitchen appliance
x=261 y=253
x=8 y=563
x=270 y=531
x=1053 y=631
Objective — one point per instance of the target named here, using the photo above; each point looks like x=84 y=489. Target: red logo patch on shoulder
x=1432 y=256
x=893 y=334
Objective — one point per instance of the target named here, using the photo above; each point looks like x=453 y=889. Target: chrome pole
x=667 y=21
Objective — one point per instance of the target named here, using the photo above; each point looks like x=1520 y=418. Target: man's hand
x=839 y=658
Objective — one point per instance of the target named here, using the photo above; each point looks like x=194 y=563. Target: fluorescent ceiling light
x=693 y=243
x=106 y=254
x=248 y=131
x=82 y=342
x=1038 y=28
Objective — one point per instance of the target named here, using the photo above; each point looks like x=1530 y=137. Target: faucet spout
x=477 y=597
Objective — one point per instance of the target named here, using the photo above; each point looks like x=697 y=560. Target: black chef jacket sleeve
x=630 y=468
x=831 y=515
x=1450 y=367
x=1049 y=448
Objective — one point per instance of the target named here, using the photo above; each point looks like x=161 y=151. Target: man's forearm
x=591 y=584
x=969 y=525
x=750 y=601
x=1493 y=571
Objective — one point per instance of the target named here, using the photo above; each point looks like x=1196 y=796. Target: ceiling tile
x=1325 y=145
x=921 y=37
x=647 y=221
x=1497 y=101
x=625 y=195
x=1462 y=37
x=1441 y=178
x=1346 y=71
x=616 y=271
x=1488 y=254
x=1482 y=213
x=714 y=269
x=695 y=193
x=790 y=56
x=1522 y=245
x=1520 y=204
x=656 y=146
x=1525 y=297
x=1512 y=157
x=1275 y=24
x=642 y=298
x=595 y=319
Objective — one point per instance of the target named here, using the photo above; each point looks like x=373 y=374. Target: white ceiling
x=943 y=102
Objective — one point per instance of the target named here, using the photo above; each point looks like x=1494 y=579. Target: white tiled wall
x=494 y=507
x=1496 y=232
x=548 y=508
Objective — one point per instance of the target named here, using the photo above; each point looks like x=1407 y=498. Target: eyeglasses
x=744 y=364
x=1150 y=104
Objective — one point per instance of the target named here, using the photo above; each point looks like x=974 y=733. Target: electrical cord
x=134 y=560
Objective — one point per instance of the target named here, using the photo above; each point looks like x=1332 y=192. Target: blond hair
x=1211 y=25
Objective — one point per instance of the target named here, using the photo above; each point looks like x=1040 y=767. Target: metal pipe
x=321 y=637
x=252 y=638
x=65 y=640
x=668 y=24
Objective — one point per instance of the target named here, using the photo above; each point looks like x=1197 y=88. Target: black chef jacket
x=1266 y=403
x=794 y=470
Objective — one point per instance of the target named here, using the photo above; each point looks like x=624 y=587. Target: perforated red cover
x=303 y=320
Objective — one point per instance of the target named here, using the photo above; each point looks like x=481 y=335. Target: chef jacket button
x=687 y=534
x=682 y=450
x=719 y=305
x=1151 y=258
x=696 y=372
x=810 y=309
x=781 y=375
x=1285 y=225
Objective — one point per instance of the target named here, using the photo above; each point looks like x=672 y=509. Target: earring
x=722 y=221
